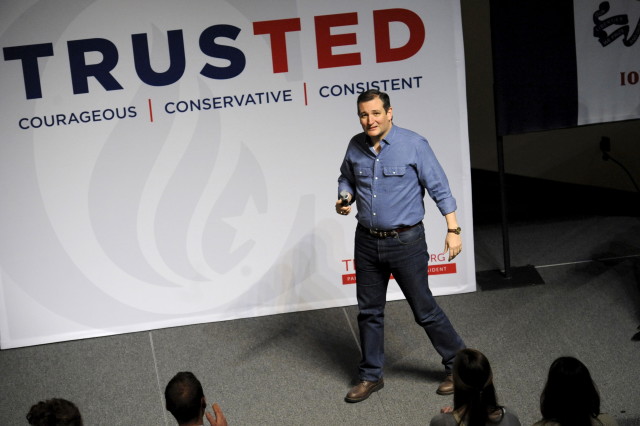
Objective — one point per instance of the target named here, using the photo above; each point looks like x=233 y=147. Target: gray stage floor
x=295 y=369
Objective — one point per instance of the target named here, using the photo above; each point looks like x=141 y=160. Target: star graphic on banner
x=247 y=225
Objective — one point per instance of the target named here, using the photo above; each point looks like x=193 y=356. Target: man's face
x=375 y=121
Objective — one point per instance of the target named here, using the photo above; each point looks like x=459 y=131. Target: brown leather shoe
x=361 y=391
x=446 y=387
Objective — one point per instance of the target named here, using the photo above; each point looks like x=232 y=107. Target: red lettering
x=449 y=268
x=346 y=264
x=633 y=77
x=381 y=21
x=349 y=279
x=325 y=41
x=277 y=33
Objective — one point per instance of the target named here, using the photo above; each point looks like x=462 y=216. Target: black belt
x=385 y=234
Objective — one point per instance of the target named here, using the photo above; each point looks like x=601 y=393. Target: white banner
x=607 y=46
x=167 y=163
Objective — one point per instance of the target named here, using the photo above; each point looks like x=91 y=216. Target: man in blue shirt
x=386 y=171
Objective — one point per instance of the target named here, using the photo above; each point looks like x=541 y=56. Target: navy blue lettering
x=108 y=114
x=142 y=61
x=81 y=71
x=209 y=47
x=29 y=55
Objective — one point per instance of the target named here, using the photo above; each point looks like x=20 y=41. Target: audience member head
x=570 y=396
x=54 y=412
x=474 y=395
x=185 y=398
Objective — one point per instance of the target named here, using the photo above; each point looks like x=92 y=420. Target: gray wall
x=567 y=155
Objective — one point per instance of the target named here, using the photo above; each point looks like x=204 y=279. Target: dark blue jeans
x=406 y=257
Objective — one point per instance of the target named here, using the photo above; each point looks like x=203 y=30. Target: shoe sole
x=374 y=389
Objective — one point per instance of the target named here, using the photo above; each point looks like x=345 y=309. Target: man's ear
x=203 y=403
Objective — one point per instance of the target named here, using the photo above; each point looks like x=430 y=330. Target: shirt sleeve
x=346 y=180
x=433 y=178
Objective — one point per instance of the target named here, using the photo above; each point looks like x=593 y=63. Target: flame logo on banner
x=130 y=209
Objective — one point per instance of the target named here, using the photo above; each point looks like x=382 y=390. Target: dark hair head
x=54 y=412
x=570 y=396
x=184 y=397
x=371 y=94
x=474 y=393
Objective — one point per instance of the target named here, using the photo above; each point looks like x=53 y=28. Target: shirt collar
x=391 y=135
x=388 y=139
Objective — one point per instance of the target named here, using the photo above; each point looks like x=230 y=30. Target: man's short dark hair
x=183 y=396
x=371 y=94
x=54 y=412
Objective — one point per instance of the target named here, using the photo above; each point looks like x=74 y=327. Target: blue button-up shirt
x=389 y=186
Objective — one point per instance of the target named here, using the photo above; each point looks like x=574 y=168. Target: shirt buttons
x=374 y=213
